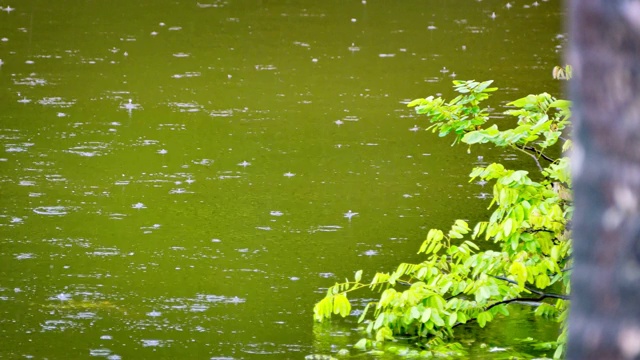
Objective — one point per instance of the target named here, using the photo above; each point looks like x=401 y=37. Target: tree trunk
x=604 y=322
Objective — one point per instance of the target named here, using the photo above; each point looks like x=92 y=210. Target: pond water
x=174 y=175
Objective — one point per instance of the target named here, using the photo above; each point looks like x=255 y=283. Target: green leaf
x=414 y=313
x=472 y=245
x=479 y=229
x=520 y=271
x=436 y=319
x=384 y=333
x=379 y=321
x=437 y=248
x=322 y=309
x=462 y=317
x=341 y=305
x=364 y=313
x=453 y=318
x=558 y=353
x=361 y=345
x=473 y=137
x=426 y=315
x=482 y=318
x=358 y=275
x=482 y=294
x=542 y=281
x=507 y=227
x=562 y=104
x=483 y=85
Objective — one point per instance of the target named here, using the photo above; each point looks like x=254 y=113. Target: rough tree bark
x=605 y=298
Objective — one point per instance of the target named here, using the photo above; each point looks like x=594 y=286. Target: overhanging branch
x=537 y=152
x=543 y=295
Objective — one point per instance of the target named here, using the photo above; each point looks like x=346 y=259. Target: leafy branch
x=457 y=282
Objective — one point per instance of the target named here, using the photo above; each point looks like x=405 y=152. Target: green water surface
x=174 y=174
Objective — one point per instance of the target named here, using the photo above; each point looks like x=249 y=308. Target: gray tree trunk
x=604 y=322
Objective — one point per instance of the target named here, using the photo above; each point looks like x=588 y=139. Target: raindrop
x=154 y=313
x=349 y=214
x=63 y=297
x=138 y=206
x=130 y=106
x=146 y=343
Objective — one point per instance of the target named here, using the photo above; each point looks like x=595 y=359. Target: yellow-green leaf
x=426 y=315
x=361 y=345
x=453 y=318
x=507 y=227
x=436 y=319
x=341 y=305
x=520 y=271
x=358 y=275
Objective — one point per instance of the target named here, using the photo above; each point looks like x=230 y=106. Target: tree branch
x=539 y=299
x=537 y=152
x=537 y=292
x=535 y=158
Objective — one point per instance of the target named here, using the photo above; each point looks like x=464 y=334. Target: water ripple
x=51 y=210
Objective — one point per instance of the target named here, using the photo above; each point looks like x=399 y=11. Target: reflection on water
x=176 y=180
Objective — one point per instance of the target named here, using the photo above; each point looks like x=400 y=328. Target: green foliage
x=562 y=73
x=456 y=282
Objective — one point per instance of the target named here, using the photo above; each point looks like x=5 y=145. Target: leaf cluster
x=456 y=282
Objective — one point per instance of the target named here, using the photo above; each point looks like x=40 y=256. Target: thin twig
x=537 y=292
x=538 y=152
x=533 y=156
